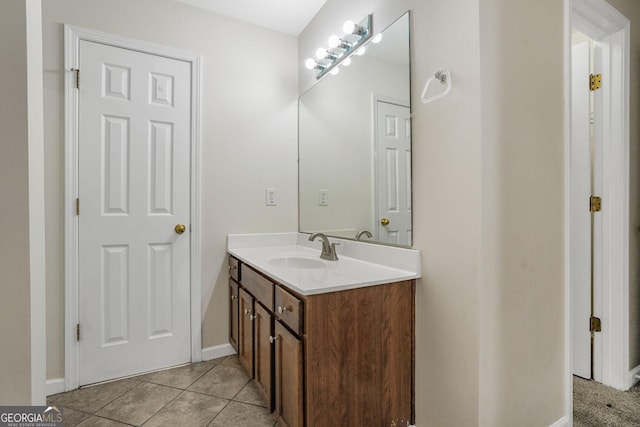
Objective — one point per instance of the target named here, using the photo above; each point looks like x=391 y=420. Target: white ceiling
x=286 y=16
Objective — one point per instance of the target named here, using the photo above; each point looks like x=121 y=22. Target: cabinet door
x=263 y=324
x=245 y=329
x=233 y=314
x=288 y=378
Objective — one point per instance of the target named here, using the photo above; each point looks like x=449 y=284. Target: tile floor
x=217 y=393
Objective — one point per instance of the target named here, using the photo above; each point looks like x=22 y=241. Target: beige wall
x=249 y=94
x=631 y=9
x=15 y=370
x=490 y=305
x=22 y=327
x=522 y=316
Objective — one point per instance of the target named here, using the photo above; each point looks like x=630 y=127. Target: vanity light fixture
x=312 y=64
x=341 y=48
x=351 y=27
x=336 y=42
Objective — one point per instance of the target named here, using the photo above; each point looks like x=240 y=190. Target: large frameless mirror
x=355 y=145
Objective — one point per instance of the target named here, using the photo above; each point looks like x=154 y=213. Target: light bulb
x=334 y=71
x=321 y=53
x=310 y=63
x=334 y=41
x=349 y=27
x=360 y=51
x=346 y=62
x=377 y=38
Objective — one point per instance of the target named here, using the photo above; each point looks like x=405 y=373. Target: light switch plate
x=323 y=197
x=270 y=194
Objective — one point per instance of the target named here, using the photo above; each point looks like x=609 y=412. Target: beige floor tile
x=139 y=404
x=91 y=399
x=98 y=422
x=251 y=394
x=233 y=362
x=221 y=381
x=238 y=414
x=188 y=409
x=181 y=377
x=72 y=418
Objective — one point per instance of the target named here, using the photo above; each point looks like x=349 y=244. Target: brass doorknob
x=180 y=228
x=384 y=221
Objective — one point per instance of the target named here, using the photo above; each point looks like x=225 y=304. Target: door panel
x=245 y=341
x=134 y=160
x=393 y=180
x=264 y=353
x=233 y=314
x=580 y=218
x=288 y=378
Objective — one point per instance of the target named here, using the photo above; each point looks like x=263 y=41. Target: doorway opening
x=607 y=33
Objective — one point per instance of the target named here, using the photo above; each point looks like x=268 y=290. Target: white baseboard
x=562 y=422
x=54 y=386
x=217 y=351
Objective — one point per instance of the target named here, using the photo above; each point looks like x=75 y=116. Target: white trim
x=562 y=422
x=72 y=37
x=633 y=377
x=217 y=352
x=55 y=386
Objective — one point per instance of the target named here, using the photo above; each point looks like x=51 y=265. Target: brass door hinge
x=77 y=71
x=595 y=204
x=77 y=205
x=78 y=332
x=595 y=325
x=595 y=81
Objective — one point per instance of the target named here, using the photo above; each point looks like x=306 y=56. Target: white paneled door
x=581 y=217
x=393 y=180
x=134 y=160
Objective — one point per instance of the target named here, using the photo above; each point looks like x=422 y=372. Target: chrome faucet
x=365 y=233
x=328 y=249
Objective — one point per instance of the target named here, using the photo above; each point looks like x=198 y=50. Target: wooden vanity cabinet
x=329 y=359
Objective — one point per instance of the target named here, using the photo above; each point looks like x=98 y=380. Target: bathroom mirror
x=355 y=145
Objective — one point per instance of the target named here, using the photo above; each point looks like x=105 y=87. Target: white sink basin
x=297 y=262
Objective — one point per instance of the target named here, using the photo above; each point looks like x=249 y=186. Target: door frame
x=72 y=37
x=601 y=22
x=375 y=98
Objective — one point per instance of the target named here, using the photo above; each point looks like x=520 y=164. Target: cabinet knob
x=246 y=311
x=282 y=309
x=252 y=317
x=272 y=339
x=233 y=297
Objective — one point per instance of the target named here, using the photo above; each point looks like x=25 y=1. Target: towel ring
x=444 y=77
